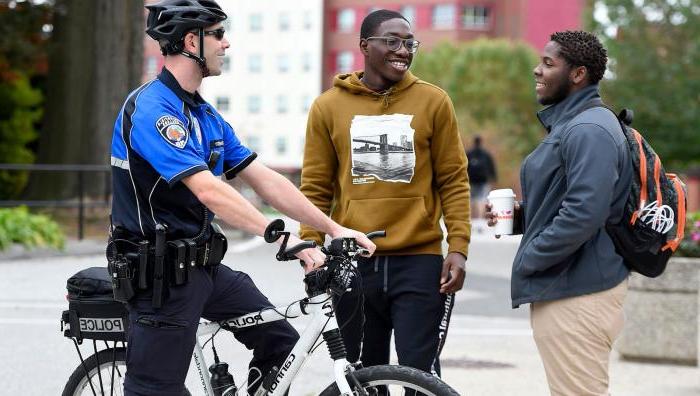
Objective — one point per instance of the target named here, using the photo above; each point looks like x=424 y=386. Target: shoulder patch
x=172 y=130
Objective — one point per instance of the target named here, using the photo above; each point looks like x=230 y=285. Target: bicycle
x=104 y=370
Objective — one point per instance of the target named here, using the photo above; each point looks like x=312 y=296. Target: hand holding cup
x=500 y=211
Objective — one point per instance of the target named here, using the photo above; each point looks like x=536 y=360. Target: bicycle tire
x=372 y=378
x=79 y=384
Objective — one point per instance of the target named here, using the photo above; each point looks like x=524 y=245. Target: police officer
x=169 y=149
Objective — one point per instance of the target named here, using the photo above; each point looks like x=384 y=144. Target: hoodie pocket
x=405 y=220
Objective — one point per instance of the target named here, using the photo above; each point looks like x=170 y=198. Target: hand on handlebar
x=360 y=237
x=312 y=257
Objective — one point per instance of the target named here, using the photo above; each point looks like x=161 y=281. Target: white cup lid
x=502 y=193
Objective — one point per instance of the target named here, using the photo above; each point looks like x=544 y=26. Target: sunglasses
x=394 y=43
x=218 y=33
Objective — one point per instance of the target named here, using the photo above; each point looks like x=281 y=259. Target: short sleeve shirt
x=162 y=135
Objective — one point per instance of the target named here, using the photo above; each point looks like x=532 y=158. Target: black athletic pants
x=401 y=293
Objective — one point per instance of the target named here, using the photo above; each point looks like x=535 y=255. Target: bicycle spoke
x=114 y=365
x=99 y=372
x=82 y=364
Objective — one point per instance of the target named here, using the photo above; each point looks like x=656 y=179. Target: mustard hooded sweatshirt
x=389 y=161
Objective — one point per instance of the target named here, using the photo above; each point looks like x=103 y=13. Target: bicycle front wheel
x=394 y=380
x=103 y=374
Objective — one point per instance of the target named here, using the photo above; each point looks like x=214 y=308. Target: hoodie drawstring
x=385 y=98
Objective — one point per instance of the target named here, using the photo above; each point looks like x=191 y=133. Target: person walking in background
x=482 y=172
x=573 y=183
x=383 y=152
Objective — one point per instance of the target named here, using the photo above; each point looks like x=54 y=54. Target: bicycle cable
x=212 y=337
x=315 y=346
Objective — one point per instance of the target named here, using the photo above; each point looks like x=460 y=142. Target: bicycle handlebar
x=338 y=246
x=290 y=254
x=376 y=234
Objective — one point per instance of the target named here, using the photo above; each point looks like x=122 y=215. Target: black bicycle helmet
x=169 y=21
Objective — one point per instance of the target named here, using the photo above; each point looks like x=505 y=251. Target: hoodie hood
x=351 y=82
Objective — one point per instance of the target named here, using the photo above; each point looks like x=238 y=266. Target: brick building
x=433 y=21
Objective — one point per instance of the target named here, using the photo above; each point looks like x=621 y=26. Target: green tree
x=23 y=36
x=95 y=59
x=491 y=85
x=655 y=63
x=19 y=112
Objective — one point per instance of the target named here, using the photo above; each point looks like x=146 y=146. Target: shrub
x=690 y=246
x=17 y=225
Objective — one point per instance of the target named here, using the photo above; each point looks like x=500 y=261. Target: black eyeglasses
x=394 y=43
x=218 y=33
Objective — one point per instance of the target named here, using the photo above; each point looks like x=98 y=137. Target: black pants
x=401 y=293
x=161 y=341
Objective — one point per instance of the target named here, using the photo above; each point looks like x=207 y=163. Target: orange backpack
x=654 y=216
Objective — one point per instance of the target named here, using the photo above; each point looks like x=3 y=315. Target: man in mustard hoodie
x=383 y=153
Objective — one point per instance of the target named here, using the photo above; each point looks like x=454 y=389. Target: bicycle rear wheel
x=105 y=375
x=395 y=380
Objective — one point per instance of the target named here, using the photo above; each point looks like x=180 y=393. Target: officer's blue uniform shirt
x=162 y=135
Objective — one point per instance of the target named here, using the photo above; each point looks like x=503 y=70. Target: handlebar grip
x=290 y=253
x=376 y=234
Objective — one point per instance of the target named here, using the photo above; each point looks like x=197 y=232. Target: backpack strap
x=680 y=229
x=625 y=120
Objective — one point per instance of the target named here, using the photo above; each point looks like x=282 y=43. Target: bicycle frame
x=322 y=318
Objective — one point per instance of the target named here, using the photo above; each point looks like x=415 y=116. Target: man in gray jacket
x=573 y=183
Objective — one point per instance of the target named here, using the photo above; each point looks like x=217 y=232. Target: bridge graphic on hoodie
x=382 y=146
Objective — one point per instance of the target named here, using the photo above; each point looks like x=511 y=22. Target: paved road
x=489 y=349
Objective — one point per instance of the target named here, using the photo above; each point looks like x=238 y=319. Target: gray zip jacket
x=573 y=183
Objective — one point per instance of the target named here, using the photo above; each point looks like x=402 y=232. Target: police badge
x=172 y=130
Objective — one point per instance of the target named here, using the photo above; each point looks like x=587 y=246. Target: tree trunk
x=95 y=59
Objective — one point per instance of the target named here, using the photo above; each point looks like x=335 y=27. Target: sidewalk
x=73 y=247
x=491 y=356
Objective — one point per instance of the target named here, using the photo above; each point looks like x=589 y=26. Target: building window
x=346 y=20
x=409 y=12
x=226 y=66
x=255 y=63
x=253 y=143
x=284 y=22
x=254 y=104
x=307 y=20
x=306 y=62
x=475 y=17
x=222 y=103
x=305 y=104
x=281 y=145
x=344 y=62
x=281 y=104
x=256 y=21
x=283 y=63
x=444 y=16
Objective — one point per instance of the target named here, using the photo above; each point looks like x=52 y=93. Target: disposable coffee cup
x=503 y=206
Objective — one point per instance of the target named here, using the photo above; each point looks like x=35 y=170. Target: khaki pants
x=574 y=337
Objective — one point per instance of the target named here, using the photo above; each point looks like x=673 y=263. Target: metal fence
x=80 y=202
